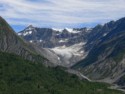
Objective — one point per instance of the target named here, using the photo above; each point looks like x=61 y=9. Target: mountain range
x=105 y=60
x=66 y=44
x=96 y=52
x=91 y=53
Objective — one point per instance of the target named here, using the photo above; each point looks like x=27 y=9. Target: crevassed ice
x=68 y=52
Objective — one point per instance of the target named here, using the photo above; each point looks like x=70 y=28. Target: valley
x=51 y=61
x=62 y=46
x=95 y=52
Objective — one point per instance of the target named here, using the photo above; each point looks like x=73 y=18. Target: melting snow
x=104 y=34
x=89 y=30
x=57 y=29
x=19 y=34
x=71 y=30
x=58 y=58
x=40 y=40
x=65 y=40
x=31 y=41
x=30 y=32
x=25 y=33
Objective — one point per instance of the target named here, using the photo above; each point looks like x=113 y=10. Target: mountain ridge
x=105 y=60
x=100 y=57
x=56 y=40
x=10 y=42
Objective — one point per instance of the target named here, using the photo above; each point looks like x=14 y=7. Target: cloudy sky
x=60 y=13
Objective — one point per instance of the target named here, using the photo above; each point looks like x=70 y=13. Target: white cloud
x=60 y=12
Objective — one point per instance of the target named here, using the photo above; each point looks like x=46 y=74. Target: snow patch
x=58 y=58
x=25 y=33
x=40 y=40
x=30 y=32
x=31 y=41
x=104 y=34
x=65 y=40
x=71 y=30
x=57 y=29
x=19 y=34
x=89 y=30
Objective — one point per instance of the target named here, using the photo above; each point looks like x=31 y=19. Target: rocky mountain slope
x=51 y=37
x=67 y=44
x=10 y=42
x=106 y=58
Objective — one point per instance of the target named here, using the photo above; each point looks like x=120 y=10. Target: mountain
x=22 y=70
x=106 y=58
x=67 y=44
x=97 y=52
x=10 y=42
x=51 y=37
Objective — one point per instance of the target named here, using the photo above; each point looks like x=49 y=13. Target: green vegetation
x=19 y=76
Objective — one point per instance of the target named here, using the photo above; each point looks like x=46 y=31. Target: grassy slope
x=18 y=76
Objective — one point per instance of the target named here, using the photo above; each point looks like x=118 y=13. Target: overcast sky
x=60 y=13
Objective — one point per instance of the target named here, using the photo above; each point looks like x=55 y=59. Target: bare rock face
x=105 y=60
x=10 y=42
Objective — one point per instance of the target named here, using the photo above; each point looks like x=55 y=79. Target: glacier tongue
x=71 y=53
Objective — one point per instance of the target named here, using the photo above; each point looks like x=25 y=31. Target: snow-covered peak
x=88 y=29
x=30 y=27
x=58 y=29
x=28 y=31
x=70 y=30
